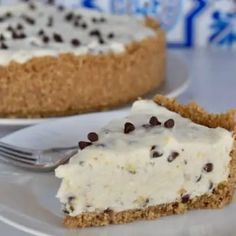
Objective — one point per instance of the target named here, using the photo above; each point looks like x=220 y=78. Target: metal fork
x=40 y=160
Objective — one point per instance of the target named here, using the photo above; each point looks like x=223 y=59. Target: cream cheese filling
x=116 y=32
x=148 y=166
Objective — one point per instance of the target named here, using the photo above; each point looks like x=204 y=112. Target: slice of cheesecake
x=162 y=159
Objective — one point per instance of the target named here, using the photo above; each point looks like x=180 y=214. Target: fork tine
x=13 y=152
x=16 y=157
x=24 y=151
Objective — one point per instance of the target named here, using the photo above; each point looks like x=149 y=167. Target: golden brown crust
x=220 y=196
x=68 y=84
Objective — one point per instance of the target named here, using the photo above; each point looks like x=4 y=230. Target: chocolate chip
x=71 y=198
x=50 y=21
x=128 y=127
x=84 y=26
x=41 y=32
x=66 y=211
x=156 y=154
x=110 y=35
x=172 y=156
x=154 y=121
x=2 y=19
x=2 y=38
x=21 y=35
x=208 y=167
x=8 y=15
x=153 y=147
x=185 y=198
x=51 y=2
x=95 y=33
x=76 y=23
x=16 y=35
x=84 y=144
x=92 y=136
x=75 y=42
x=19 y=26
x=102 y=19
x=45 y=39
x=10 y=28
x=4 y=46
x=61 y=8
x=108 y=211
x=69 y=16
x=29 y=20
x=185 y=162
x=199 y=178
x=210 y=185
x=72 y=208
x=169 y=123
x=32 y=6
x=57 y=38
x=101 y=41
x=94 y=20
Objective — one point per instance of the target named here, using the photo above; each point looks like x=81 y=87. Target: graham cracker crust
x=219 y=197
x=68 y=84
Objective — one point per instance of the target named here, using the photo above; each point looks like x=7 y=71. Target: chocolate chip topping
x=169 y=123
x=92 y=136
x=199 y=178
x=153 y=147
x=41 y=32
x=32 y=6
x=154 y=121
x=95 y=33
x=84 y=144
x=172 y=156
x=45 y=39
x=128 y=127
x=75 y=42
x=50 y=21
x=71 y=198
x=66 y=211
x=69 y=16
x=57 y=38
x=28 y=19
x=8 y=15
x=108 y=211
x=110 y=35
x=84 y=26
x=156 y=154
x=101 y=41
x=4 y=46
x=185 y=198
x=61 y=8
x=9 y=28
x=2 y=38
x=19 y=26
x=208 y=167
x=210 y=185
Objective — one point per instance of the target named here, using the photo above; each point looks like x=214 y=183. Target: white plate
x=176 y=83
x=28 y=203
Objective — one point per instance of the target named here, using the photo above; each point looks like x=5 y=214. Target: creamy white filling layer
x=148 y=166
x=116 y=32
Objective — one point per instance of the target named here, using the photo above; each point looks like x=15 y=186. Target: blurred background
x=188 y=23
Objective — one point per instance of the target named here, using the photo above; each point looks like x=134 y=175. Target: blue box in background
x=188 y=23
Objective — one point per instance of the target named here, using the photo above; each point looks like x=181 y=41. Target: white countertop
x=213 y=86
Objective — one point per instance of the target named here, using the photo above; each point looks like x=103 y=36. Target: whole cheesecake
x=56 y=61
